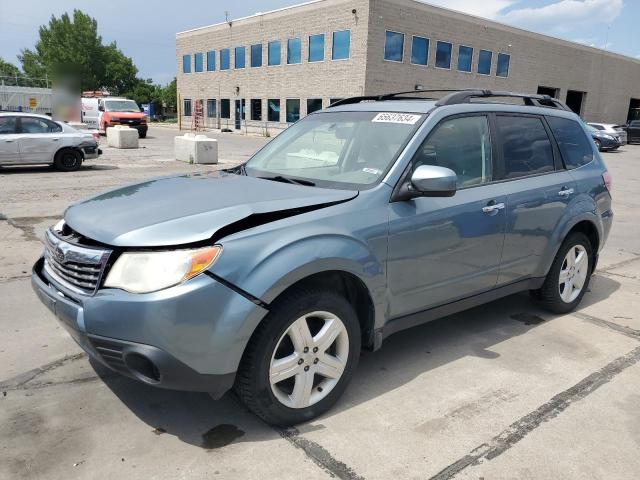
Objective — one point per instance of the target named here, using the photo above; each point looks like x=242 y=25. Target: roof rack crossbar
x=532 y=100
x=390 y=96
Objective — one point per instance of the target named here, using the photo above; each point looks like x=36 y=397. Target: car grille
x=77 y=267
x=111 y=353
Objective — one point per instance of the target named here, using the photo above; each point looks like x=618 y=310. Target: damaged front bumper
x=188 y=337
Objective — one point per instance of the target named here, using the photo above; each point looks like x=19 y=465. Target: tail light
x=608 y=181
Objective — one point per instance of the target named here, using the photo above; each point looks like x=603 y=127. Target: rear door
x=447 y=248
x=634 y=131
x=39 y=139
x=9 y=150
x=538 y=191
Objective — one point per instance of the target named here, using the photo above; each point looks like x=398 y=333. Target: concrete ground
x=501 y=391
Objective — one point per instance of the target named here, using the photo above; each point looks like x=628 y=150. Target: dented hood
x=190 y=208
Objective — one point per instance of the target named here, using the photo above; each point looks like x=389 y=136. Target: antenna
x=226 y=17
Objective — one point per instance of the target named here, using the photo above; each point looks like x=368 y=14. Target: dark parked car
x=633 y=131
x=372 y=216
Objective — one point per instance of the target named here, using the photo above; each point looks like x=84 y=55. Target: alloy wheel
x=309 y=359
x=573 y=273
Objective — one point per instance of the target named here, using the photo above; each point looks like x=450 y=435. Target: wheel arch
x=68 y=147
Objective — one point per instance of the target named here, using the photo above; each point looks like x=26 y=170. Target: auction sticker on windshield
x=390 y=117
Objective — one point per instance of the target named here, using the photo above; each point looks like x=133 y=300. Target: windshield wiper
x=283 y=179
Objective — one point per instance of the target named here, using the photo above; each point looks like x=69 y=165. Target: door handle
x=493 y=208
x=565 y=192
x=9 y=141
x=55 y=139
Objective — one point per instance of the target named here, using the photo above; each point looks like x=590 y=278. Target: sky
x=145 y=30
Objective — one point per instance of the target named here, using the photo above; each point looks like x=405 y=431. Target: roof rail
x=530 y=100
x=390 y=96
x=457 y=96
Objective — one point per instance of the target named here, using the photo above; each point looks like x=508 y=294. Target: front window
x=239 y=57
x=465 y=56
x=341 y=45
x=484 y=62
x=443 y=55
x=198 y=62
x=337 y=149
x=256 y=55
x=128 y=106
x=316 y=47
x=394 y=46
x=225 y=55
x=502 y=69
x=294 y=54
x=419 y=51
x=273 y=53
x=7 y=125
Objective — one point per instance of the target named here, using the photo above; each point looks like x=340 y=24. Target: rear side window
x=462 y=144
x=38 y=125
x=575 y=147
x=526 y=148
x=7 y=125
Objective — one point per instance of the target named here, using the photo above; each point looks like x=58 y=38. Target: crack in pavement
x=14 y=383
x=523 y=426
x=319 y=455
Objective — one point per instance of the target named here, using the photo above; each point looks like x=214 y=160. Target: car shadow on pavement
x=197 y=419
x=16 y=169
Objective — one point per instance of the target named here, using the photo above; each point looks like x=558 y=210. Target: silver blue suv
x=372 y=216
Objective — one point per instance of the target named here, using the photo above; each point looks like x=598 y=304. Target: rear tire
x=291 y=374
x=68 y=160
x=568 y=278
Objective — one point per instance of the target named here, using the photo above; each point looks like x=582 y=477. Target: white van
x=104 y=112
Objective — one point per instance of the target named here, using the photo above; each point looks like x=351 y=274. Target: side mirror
x=432 y=181
x=101 y=108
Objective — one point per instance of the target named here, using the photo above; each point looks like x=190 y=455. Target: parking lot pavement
x=505 y=390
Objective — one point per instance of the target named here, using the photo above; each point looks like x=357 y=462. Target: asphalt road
x=501 y=391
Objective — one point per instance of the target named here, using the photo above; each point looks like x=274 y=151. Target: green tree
x=9 y=69
x=170 y=95
x=120 y=72
x=68 y=47
x=145 y=91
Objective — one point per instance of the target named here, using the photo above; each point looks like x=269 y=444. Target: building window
x=294 y=53
x=239 y=57
x=273 y=114
x=256 y=55
x=211 y=108
x=211 y=61
x=186 y=64
x=484 y=62
x=256 y=109
x=198 y=62
x=225 y=61
x=225 y=108
x=465 y=57
x=316 y=47
x=313 y=105
x=419 y=50
x=293 y=110
x=334 y=100
x=273 y=53
x=341 y=45
x=187 y=107
x=443 y=55
x=502 y=69
x=393 y=46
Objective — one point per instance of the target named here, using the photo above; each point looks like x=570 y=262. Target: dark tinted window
x=502 y=69
x=484 y=62
x=256 y=109
x=211 y=107
x=293 y=110
x=273 y=53
x=198 y=62
x=256 y=55
x=316 y=47
x=575 y=147
x=419 y=51
x=462 y=144
x=7 y=125
x=225 y=56
x=294 y=51
x=239 y=57
x=274 y=109
x=465 y=57
x=225 y=108
x=313 y=105
x=635 y=123
x=211 y=61
x=443 y=54
x=526 y=148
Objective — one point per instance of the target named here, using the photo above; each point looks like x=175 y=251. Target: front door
x=239 y=113
x=39 y=139
x=9 y=152
x=444 y=249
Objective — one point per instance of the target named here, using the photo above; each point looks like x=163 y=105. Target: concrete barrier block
x=122 y=136
x=193 y=148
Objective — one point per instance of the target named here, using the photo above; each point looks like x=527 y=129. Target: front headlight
x=144 y=272
x=608 y=137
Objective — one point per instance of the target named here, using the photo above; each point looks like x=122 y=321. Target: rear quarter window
x=576 y=149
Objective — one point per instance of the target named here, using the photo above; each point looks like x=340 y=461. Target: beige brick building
x=260 y=72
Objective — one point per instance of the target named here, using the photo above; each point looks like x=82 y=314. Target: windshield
x=121 y=106
x=336 y=149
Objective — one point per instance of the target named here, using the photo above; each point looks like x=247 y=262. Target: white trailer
x=26 y=99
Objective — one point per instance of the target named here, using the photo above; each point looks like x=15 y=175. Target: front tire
x=68 y=160
x=301 y=357
x=568 y=278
